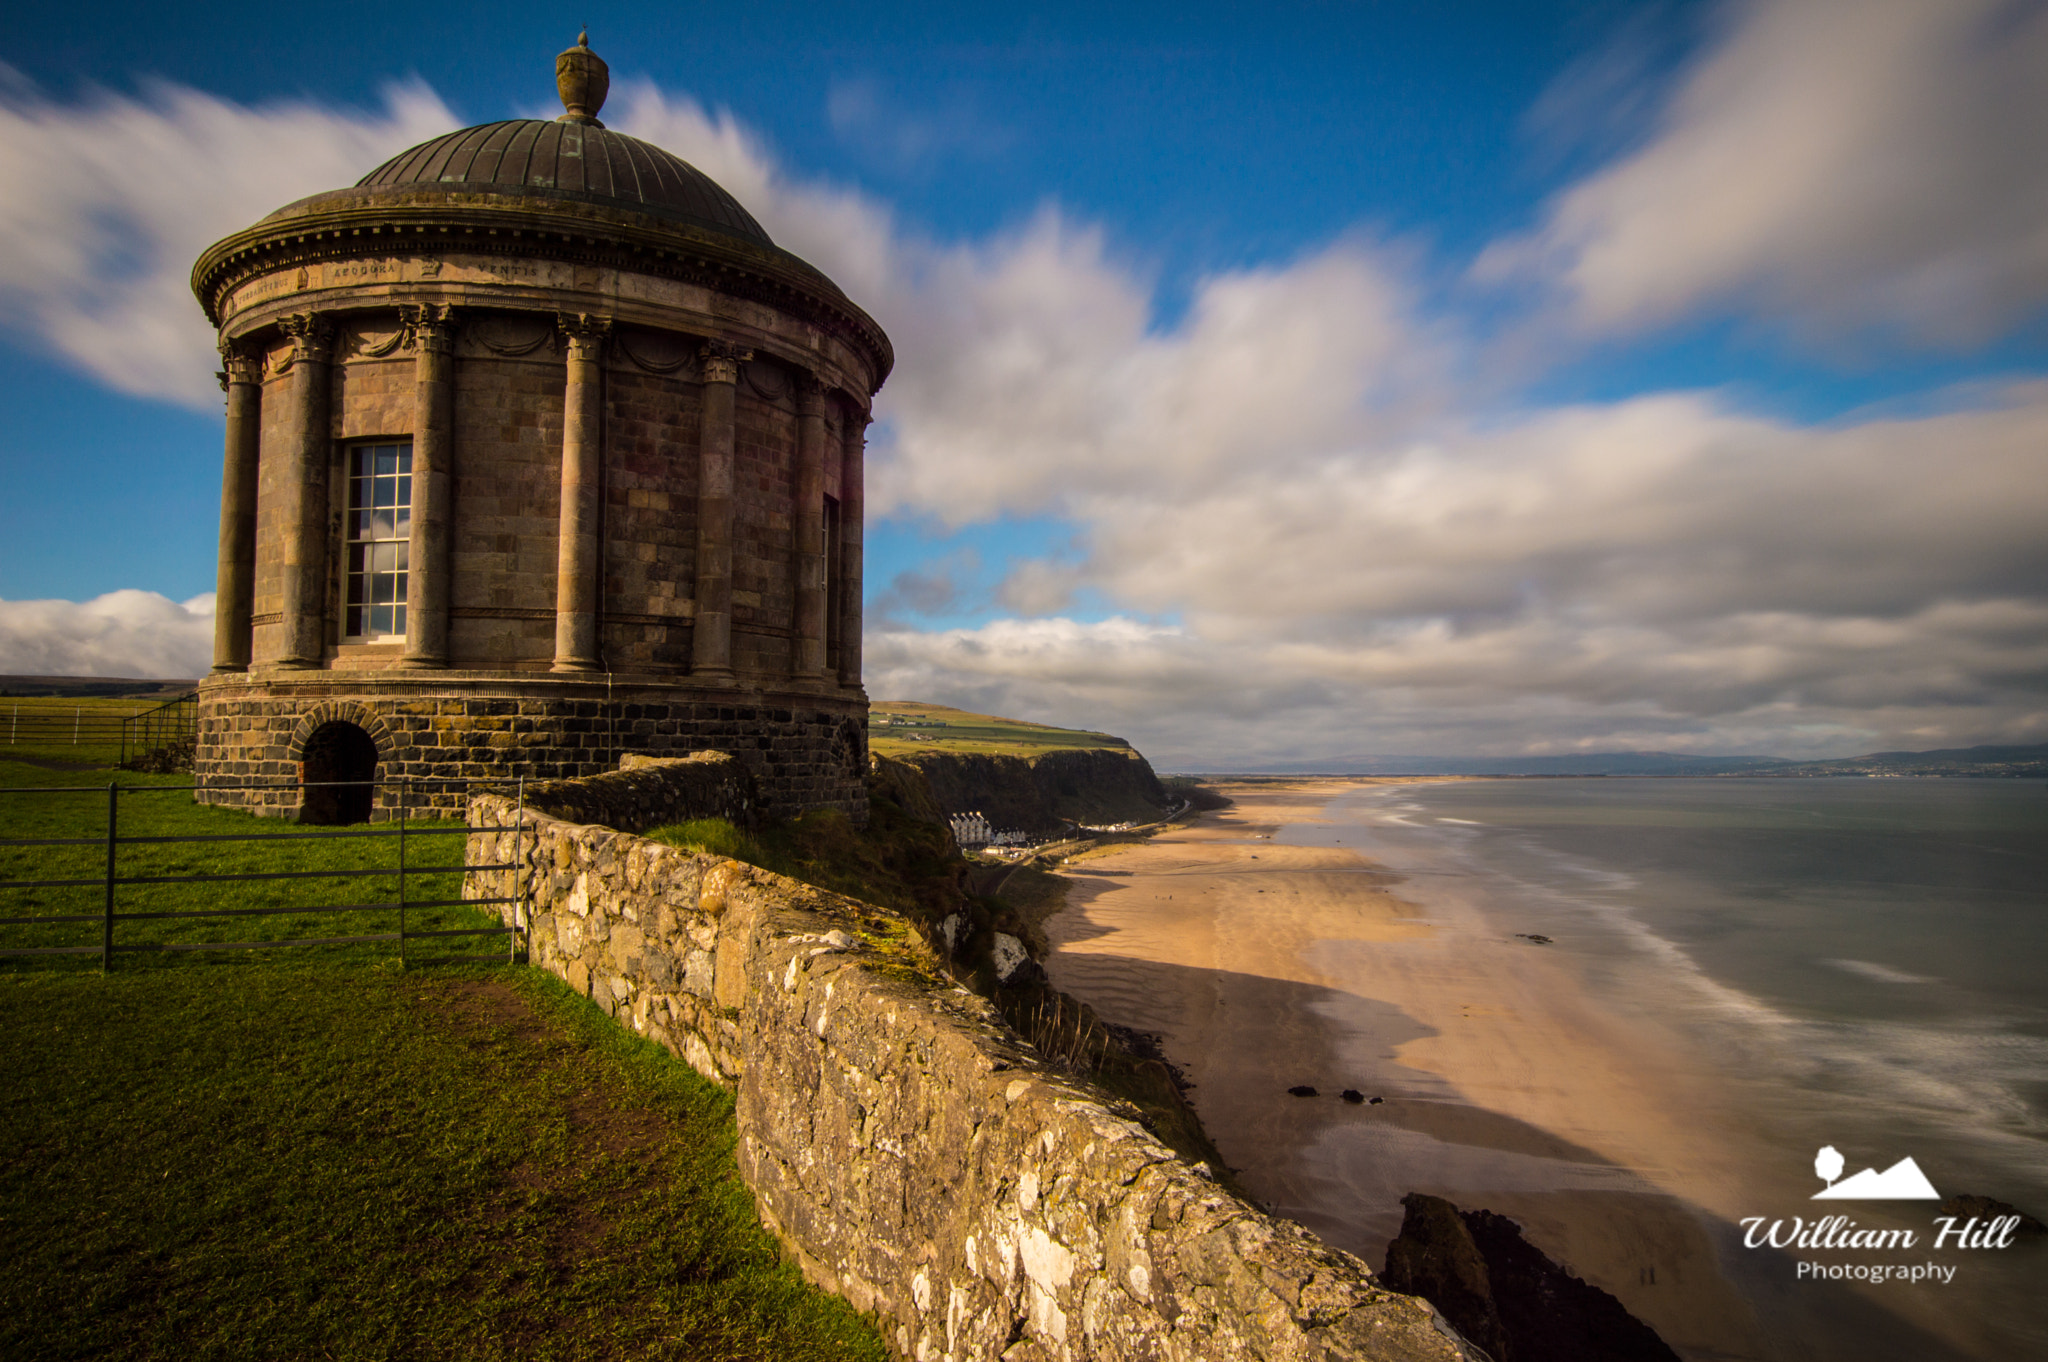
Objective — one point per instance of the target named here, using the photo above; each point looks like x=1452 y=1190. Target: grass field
x=322 y=1153
x=957 y=730
x=237 y=1158
x=244 y=910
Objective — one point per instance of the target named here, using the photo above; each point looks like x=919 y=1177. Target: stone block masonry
x=802 y=752
x=908 y=1149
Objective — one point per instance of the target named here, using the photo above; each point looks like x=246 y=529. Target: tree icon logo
x=1827 y=1165
x=1903 y=1181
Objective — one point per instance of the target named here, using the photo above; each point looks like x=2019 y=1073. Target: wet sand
x=1263 y=965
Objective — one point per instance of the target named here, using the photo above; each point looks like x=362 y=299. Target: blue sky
x=1318 y=379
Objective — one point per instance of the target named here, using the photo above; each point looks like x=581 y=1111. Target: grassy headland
x=892 y=732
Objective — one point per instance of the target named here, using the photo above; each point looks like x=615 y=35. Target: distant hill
x=93 y=687
x=2030 y=760
x=2027 y=760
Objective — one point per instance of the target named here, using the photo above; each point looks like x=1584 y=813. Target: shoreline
x=1263 y=964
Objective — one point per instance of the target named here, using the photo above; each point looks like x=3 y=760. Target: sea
x=1867 y=958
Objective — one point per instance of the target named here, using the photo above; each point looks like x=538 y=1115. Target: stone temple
x=539 y=452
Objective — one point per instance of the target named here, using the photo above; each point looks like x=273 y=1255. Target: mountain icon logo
x=1903 y=1181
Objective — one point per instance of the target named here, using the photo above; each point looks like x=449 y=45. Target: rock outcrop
x=1505 y=1295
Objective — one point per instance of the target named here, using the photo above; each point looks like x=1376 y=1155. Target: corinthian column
x=576 y=565
x=305 y=492
x=851 y=495
x=711 y=638
x=807 y=633
x=433 y=425
x=235 y=580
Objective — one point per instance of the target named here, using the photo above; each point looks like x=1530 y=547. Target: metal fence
x=44 y=723
x=154 y=729
x=116 y=874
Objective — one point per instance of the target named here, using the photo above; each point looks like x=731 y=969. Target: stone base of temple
x=807 y=749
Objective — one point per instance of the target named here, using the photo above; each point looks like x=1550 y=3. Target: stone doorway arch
x=338 y=763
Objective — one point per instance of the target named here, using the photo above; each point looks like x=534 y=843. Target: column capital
x=311 y=335
x=720 y=361
x=428 y=326
x=810 y=393
x=238 y=364
x=585 y=332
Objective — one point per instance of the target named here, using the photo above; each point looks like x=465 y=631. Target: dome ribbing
x=572 y=160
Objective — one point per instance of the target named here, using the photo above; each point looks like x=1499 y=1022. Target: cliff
x=1038 y=792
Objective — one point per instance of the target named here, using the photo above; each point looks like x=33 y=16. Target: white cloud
x=1835 y=165
x=123 y=633
x=105 y=205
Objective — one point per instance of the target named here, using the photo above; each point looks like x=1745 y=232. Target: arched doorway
x=338 y=763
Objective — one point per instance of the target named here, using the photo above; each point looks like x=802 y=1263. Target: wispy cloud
x=1832 y=166
x=104 y=205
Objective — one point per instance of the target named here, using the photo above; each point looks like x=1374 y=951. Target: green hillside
x=902 y=728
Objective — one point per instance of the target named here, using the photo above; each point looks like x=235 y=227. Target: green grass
x=239 y=1157
x=155 y=806
x=957 y=730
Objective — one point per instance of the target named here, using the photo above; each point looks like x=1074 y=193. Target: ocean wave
x=1883 y=974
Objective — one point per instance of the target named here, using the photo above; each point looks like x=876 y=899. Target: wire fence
x=137 y=874
x=96 y=730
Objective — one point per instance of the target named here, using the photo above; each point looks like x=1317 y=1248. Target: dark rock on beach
x=1302 y=1090
x=1505 y=1295
x=1962 y=1207
x=1353 y=1096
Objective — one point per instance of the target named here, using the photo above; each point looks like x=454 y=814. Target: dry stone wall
x=909 y=1150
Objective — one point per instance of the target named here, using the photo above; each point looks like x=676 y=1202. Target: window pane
x=378 y=524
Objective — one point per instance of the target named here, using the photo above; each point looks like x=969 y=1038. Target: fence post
x=77 y=717
x=107 y=927
x=404 y=787
x=519 y=921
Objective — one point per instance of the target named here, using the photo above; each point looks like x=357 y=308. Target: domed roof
x=577 y=160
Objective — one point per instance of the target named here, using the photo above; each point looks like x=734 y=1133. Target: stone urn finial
x=583 y=80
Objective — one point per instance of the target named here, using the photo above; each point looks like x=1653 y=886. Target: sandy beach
x=1263 y=965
